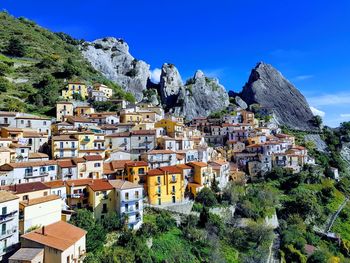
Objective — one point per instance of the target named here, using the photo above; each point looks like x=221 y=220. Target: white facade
x=129 y=202
x=35 y=123
x=8 y=225
x=28 y=172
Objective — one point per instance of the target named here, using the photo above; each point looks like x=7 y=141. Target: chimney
x=43 y=230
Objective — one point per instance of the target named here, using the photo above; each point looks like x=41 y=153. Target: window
x=3 y=182
x=137 y=206
x=97 y=165
x=3 y=229
x=51 y=168
x=45 y=193
x=158 y=180
x=68 y=258
x=141 y=171
x=126 y=196
x=4 y=210
x=25 y=197
x=137 y=194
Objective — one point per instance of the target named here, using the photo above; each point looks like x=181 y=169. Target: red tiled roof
x=171 y=169
x=200 y=164
x=60 y=235
x=96 y=157
x=26 y=188
x=136 y=163
x=100 y=185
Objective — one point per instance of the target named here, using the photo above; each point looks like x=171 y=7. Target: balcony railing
x=78 y=195
x=8 y=216
x=7 y=233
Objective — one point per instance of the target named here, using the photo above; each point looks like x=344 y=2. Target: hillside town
x=119 y=162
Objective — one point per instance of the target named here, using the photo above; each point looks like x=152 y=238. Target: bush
x=15 y=48
x=4 y=69
x=206 y=197
x=4 y=84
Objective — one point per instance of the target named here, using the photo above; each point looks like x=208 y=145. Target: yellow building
x=130 y=117
x=64 y=108
x=75 y=88
x=108 y=92
x=165 y=185
x=202 y=177
x=173 y=128
x=101 y=198
x=83 y=110
x=136 y=171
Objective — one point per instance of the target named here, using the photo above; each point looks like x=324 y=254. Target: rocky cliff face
x=268 y=88
x=200 y=96
x=111 y=57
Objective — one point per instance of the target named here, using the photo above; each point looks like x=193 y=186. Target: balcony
x=7 y=233
x=78 y=195
x=8 y=216
x=26 y=175
x=86 y=140
x=158 y=183
x=173 y=181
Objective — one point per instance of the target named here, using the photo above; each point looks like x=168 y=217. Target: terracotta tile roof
x=11 y=166
x=118 y=134
x=143 y=132
x=79 y=182
x=122 y=184
x=194 y=185
x=7 y=196
x=136 y=163
x=32 y=118
x=100 y=185
x=200 y=164
x=171 y=169
x=78 y=119
x=55 y=184
x=68 y=163
x=64 y=138
x=60 y=235
x=26 y=188
x=184 y=166
x=160 y=152
x=8 y=113
x=155 y=172
x=39 y=200
x=37 y=155
x=219 y=162
x=96 y=157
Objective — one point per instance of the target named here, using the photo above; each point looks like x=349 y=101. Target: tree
x=15 y=48
x=317 y=121
x=215 y=186
x=206 y=197
x=96 y=234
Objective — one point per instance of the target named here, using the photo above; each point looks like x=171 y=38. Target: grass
x=42 y=45
x=171 y=247
x=342 y=223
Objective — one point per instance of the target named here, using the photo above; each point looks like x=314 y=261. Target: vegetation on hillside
x=36 y=63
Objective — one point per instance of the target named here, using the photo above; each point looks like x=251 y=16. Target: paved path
x=334 y=217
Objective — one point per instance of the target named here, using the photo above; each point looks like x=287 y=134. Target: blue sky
x=308 y=41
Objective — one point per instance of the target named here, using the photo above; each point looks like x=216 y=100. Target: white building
x=129 y=201
x=9 y=206
x=25 y=172
x=34 y=122
x=159 y=158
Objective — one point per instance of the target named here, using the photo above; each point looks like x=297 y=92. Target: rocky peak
x=170 y=84
x=111 y=57
x=277 y=96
